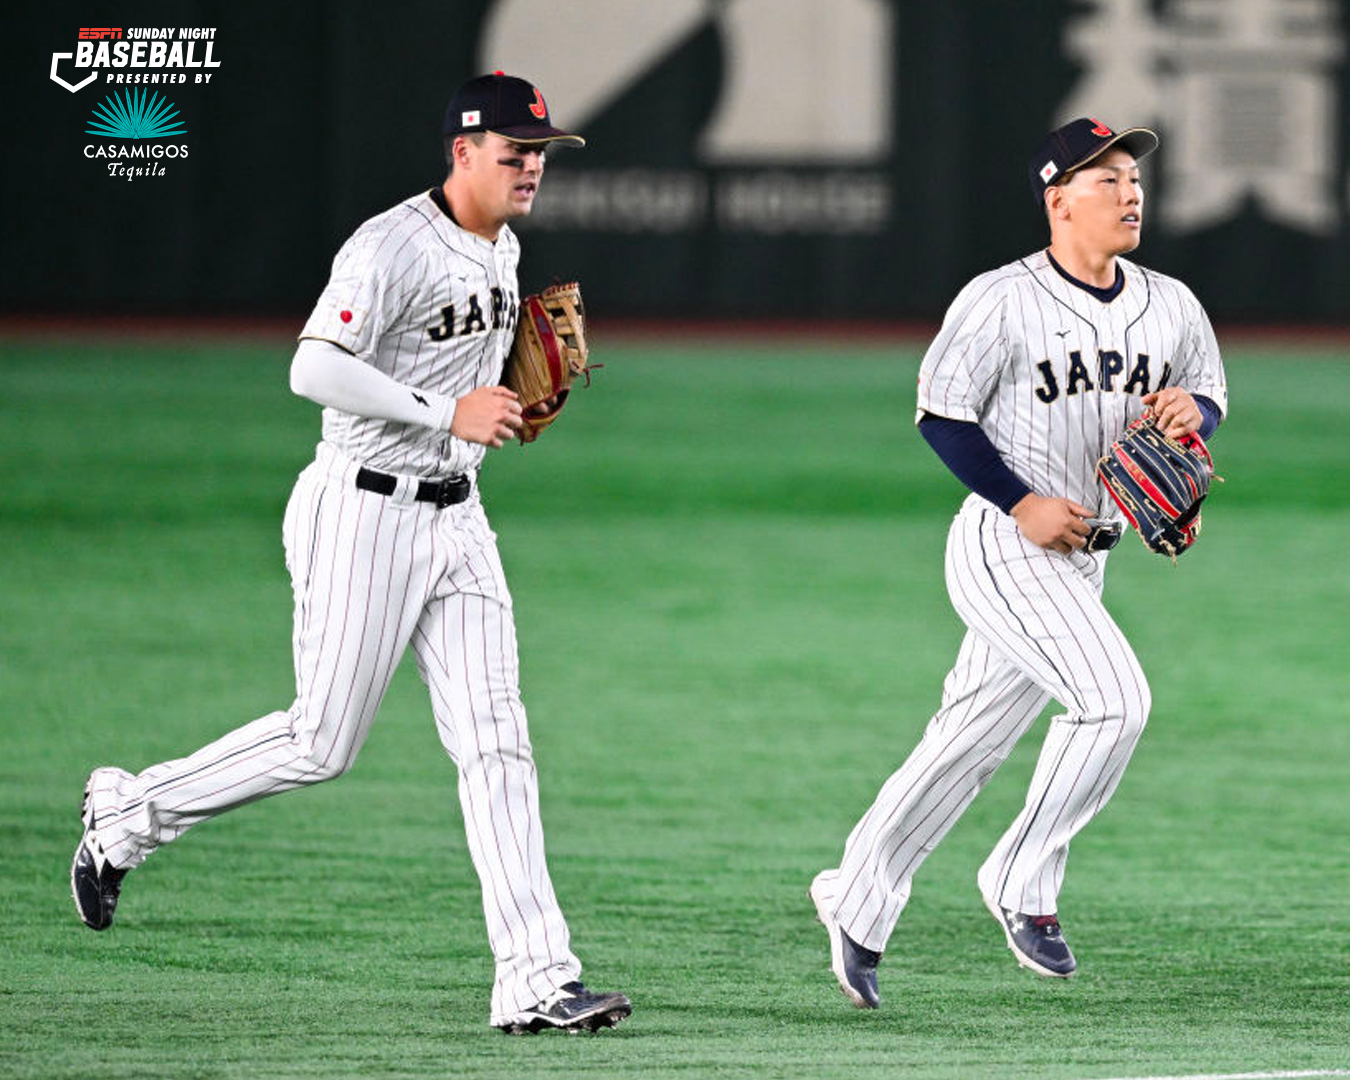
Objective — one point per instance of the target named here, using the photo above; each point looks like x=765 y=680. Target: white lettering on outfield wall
x=745 y=201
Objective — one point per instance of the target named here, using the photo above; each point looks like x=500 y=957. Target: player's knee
x=1134 y=706
x=317 y=765
x=319 y=759
x=1128 y=708
x=329 y=769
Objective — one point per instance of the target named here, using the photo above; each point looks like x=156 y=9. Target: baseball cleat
x=571 y=1008
x=854 y=966
x=1036 y=940
x=94 y=884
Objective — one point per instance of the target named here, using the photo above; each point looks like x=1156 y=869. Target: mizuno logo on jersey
x=496 y=311
x=1103 y=376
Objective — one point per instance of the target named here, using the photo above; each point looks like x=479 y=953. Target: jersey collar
x=1105 y=295
x=437 y=195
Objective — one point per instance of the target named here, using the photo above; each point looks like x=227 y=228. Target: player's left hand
x=488 y=415
x=1176 y=411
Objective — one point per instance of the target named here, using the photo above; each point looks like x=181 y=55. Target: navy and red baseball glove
x=1159 y=482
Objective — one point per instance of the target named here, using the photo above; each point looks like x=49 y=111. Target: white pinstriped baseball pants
x=372 y=574
x=1036 y=629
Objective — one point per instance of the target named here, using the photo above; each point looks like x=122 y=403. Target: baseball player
x=1038 y=368
x=388 y=545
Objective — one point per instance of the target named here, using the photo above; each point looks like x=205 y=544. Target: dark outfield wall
x=747 y=157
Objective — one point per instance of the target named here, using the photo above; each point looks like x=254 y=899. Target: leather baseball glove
x=548 y=352
x=1159 y=482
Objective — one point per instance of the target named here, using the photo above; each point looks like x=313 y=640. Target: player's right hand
x=1052 y=523
x=489 y=415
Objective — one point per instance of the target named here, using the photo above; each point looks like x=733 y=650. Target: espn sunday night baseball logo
x=142 y=126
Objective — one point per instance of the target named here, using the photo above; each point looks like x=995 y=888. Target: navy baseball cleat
x=1036 y=940
x=571 y=1008
x=854 y=966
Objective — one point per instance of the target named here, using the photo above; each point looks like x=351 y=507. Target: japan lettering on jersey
x=429 y=304
x=1053 y=374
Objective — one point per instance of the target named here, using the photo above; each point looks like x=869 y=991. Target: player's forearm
x=966 y=450
x=329 y=376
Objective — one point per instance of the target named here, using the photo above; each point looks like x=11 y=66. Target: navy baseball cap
x=1077 y=143
x=506 y=106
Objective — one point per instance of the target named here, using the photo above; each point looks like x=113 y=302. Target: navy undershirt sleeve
x=966 y=450
x=1210 y=417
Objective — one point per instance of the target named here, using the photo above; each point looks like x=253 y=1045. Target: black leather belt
x=447 y=492
x=1103 y=537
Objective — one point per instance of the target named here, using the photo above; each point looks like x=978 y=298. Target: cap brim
x=1138 y=142
x=537 y=133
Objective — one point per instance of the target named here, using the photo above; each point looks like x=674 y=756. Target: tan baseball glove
x=548 y=352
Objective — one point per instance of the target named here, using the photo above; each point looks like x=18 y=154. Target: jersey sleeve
x=367 y=292
x=1201 y=368
x=962 y=366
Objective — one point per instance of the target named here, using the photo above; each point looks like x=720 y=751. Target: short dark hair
x=448 y=146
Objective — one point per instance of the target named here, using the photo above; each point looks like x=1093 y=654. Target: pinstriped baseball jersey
x=376 y=572
x=429 y=304
x=1053 y=374
x=1052 y=371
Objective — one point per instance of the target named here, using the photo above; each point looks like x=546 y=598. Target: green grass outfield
x=727 y=566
